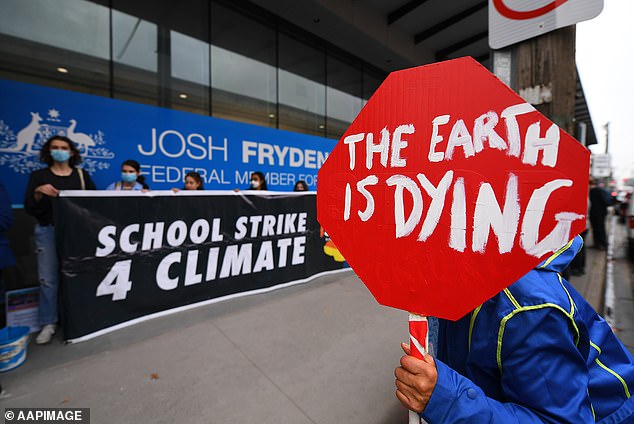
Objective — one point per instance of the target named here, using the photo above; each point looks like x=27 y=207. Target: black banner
x=128 y=255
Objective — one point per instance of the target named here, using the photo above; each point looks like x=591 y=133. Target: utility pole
x=546 y=75
x=542 y=56
x=543 y=71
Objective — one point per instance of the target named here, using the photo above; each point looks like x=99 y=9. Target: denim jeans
x=48 y=272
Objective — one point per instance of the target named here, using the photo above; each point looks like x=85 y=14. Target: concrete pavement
x=609 y=275
x=322 y=352
x=591 y=285
x=619 y=308
x=608 y=284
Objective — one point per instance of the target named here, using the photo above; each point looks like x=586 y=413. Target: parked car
x=622 y=198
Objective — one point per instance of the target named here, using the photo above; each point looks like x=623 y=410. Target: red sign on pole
x=448 y=187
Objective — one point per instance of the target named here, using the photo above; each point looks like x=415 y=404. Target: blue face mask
x=128 y=177
x=60 y=155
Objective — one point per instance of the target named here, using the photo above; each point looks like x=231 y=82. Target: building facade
x=232 y=60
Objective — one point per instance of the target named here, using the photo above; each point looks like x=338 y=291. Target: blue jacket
x=536 y=352
x=6 y=219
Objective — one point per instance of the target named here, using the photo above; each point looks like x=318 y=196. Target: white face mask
x=255 y=184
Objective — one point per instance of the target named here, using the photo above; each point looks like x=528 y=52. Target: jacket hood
x=560 y=260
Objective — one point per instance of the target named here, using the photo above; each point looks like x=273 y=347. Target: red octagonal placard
x=448 y=187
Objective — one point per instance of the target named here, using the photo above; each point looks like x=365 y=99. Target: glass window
x=343 y=96
x=135 y=57
x=84 y=31
x=161 y=52
x=243 y=73
x=190 y=59
x=42 y=43
x=302 y=89
x=371 y=82
x=133 y=41
x=190 y=73
x=227 y=59
x=186 y=68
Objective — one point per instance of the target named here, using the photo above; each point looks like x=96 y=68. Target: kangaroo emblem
x=26 y=136
x=80 y=139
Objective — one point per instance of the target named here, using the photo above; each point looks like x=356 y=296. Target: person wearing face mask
x=257 y=181
x=62 y=157
x=131 y=178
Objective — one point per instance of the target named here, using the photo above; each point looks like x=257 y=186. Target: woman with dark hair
x=258 y=182
x=131 y=178
x=193 y=181
x=300 y=186
x=62 y=157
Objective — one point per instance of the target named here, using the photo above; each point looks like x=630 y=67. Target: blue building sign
x=167 y=143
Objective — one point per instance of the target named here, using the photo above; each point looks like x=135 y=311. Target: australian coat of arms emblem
x=20 y=150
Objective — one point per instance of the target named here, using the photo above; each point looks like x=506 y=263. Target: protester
x=536 y=352
x=193 y=181
x=6 y=255
x=578 y=264
x=600 y=199
x=62 y=157
x=6 y=220
x=258 y=182
x=131 y=178
x=300 y=186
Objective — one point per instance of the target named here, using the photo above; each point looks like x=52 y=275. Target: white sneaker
x=46 y=334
